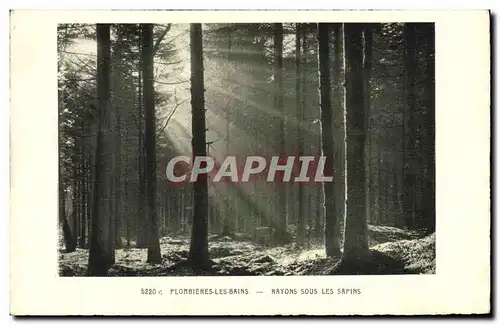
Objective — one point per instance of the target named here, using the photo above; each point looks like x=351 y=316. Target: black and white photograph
x=250 y=163
x=349 y=107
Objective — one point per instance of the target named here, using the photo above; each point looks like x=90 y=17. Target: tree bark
x=300 y=125
x=69 y=239
x=141 y=224
x=119 y=101
x=74 y=195
x=118 y=179
x=228 y=213
x=100 y=254
x=81 y=201
x=198 y=252
x=154 y=254
x=311 y=191
x=332 y=220
x=89 y=198
x=281 y=206
x=429 y=135
x=367 y=72
x=410 y=159
x=339 y=127
x=355 y=234
x=85 y=203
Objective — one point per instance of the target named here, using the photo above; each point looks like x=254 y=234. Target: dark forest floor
x=394 y=251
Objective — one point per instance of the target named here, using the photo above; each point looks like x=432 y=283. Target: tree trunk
x=119 y=102
x=332 y=220
x=100 y=255
x=81 y=204
x=410 y=159
x=429 y=136
x=87 y=187
x=74 y=198
x=281 y=232
x=309 y=193
x=355 y=234
x=309 y=219
x=300 y=125
x=198 y=252
x=128 y=218
x=89 y=190
x=182 y=216
x=118 y=179
x=69 y=239
x=127 y=211
x=141 y=219
x=367 y=72
x=339 y=127
x=154 y=255
x=228 y=212
x=319 y=211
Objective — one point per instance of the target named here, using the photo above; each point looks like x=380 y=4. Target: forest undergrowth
x=393 y=251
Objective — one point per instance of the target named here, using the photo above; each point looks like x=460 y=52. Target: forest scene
x=132 y=97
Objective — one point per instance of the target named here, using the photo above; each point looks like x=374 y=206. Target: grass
x=393 y=251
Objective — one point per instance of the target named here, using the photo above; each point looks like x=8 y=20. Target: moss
x=418 y=255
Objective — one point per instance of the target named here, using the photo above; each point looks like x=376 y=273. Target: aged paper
x=460 y=285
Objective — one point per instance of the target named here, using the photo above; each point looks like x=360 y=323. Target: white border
x=462 y=282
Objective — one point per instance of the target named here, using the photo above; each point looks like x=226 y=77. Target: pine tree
x=356 y=250
x=300 y=125
x=410 y=195
x=367 y=71
x=154 y=255
x=332 y=220
x=198 y=251
x=101 y=254
x=281 y=205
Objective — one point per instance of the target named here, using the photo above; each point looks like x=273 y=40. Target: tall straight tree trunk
x=300 y=117
x=332 y=220
x=339 y=126
x=85 y=187
x=108 y=147
x=355 y=234
x=128 y=212
x=81 y=203
x=74 y=197
x=183 y=218
x=304 y=99
x=228 y=213
x=281 y=232
x=198 y=251
x=375 y=145
x=320 y=207
x=79 y=197
x=154 y=255
x=410 y=159
x=89 y=191
x=319 y=229
x=367 y=72
x=100 y=254
x=141 y=217
x=309 y=219
x=429 y=136
x=118 y=179
x=118 y=100
x=69 y=239
x=126 y=199
x=85 y=202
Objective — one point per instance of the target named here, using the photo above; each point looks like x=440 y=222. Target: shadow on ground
x=393 y=251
